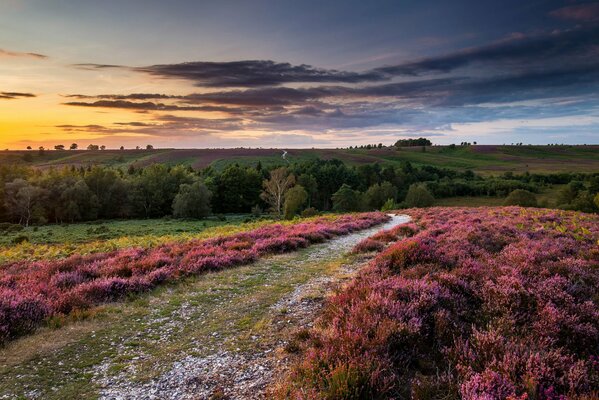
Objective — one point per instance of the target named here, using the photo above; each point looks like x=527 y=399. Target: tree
x=346 y=199
x=149 y=147
x=235 y=190
x=41 y=150
x=192 y=201
x=419 y=196
x=308 y=182
x=413 y=142
x=59 y=147
x=522 y=198
x=295 y=198
x=275 y=188
x=78 y=203
x=102 y=147
x=23 y=200
x=74 y=146
x=28 y=147
x=122 y=147
x=93 y=147
x=157 y=186
x=378 y=194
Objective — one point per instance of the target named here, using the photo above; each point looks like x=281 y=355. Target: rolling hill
x=484 y=159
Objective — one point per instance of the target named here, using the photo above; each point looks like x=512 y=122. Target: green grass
x=547 y=197
x=105 y=230
x=469 y=201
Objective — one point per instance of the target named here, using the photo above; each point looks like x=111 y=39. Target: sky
x=297 y=74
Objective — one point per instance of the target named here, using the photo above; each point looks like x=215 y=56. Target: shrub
x=419 y=196
x=309 y=212
x=20 y=239
x=368 y=245
x=522 y=198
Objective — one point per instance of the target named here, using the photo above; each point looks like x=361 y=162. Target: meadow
x=485 y=303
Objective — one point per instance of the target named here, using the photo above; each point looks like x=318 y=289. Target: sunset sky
x=283 y=73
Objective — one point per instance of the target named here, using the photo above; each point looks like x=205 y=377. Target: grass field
x=485 y=159
x=114 y=229
x=546 y=198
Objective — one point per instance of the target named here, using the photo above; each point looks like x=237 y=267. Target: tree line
x=72 y=194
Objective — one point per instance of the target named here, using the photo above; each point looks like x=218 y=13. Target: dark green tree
x=192 y=201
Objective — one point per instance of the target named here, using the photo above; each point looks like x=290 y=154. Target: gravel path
x=219 y=373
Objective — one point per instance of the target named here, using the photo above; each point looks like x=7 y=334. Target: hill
x=484 y=159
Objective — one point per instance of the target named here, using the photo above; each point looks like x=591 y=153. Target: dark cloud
x=15 y=95
x=132 y=96
x=518 y=51
x=146 y=106
x=254 y=73
x=581 y=12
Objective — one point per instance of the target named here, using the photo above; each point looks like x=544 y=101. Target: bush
x=522 y=198
x=309 y=212
x=389 y=205
x=20 y=239
x=8 y=227
x=419 y=196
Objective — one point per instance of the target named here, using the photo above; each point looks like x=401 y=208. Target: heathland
x=324 y=274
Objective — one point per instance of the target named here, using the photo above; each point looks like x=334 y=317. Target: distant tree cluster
x=413 y=142
x=368 y=146
x=90 y=147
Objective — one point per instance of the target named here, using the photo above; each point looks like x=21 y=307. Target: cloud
x=8 y=53
x=145 y=106
x=254 y=73
x=581 y=12
x=246 y=73
x=163 y=125
x=517 y=51
x=15 y=95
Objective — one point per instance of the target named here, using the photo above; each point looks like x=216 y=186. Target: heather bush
x=368 y=245
x=31 y=291
x=486 y=303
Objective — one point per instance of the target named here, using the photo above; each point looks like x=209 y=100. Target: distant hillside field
x=485 y=159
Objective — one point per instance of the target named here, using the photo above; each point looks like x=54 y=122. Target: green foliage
x=522 y=198
x=295 y=198
x=419 y=196
x=413 y=142
x=236 y=189
x=389 y=205
x=378 y=194
x=309 y=212
x=346 y=199
x=192 y=201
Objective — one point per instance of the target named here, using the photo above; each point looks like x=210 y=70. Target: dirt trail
x=239 y=363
